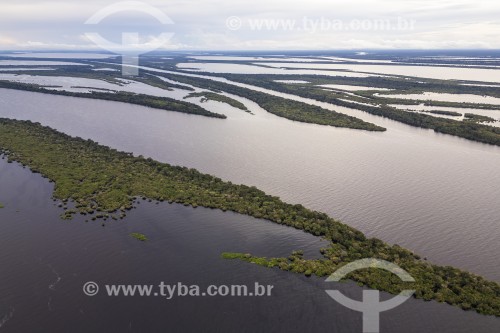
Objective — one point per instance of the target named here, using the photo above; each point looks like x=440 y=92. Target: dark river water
x=46 y=261
x=435 y=194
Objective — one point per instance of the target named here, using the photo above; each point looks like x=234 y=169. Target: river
x=433 y=193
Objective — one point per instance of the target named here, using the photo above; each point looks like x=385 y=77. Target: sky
x=250 y=25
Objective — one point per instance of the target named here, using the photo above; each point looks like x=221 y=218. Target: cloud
x=57 y=24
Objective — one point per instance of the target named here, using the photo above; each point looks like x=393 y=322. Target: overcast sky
x=234 y=24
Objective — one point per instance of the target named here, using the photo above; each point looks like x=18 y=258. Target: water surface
x=49 y=260
x=435 y=194
x=431 y=72
x=444 y=97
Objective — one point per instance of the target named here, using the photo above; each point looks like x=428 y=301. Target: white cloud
x=201 y=24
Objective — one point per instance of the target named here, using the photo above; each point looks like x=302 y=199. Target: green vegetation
x=231 y=255
x=101 y=182
x=163 y=103
x=208 y=95
x=402 y=101
x=443 y=284
x=282 y=107
x=1 y=205
x=396 y=85
x=468 y=130
x=476 y=118
x=138 y=236
x=155 y=81
x=446 y=113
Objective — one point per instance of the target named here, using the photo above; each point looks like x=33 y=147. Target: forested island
x=282 y=107
x=477 y=118
x=212 y=96
x=102 y=183
x=445 y=113
x=465 y=129
x=163 y=103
